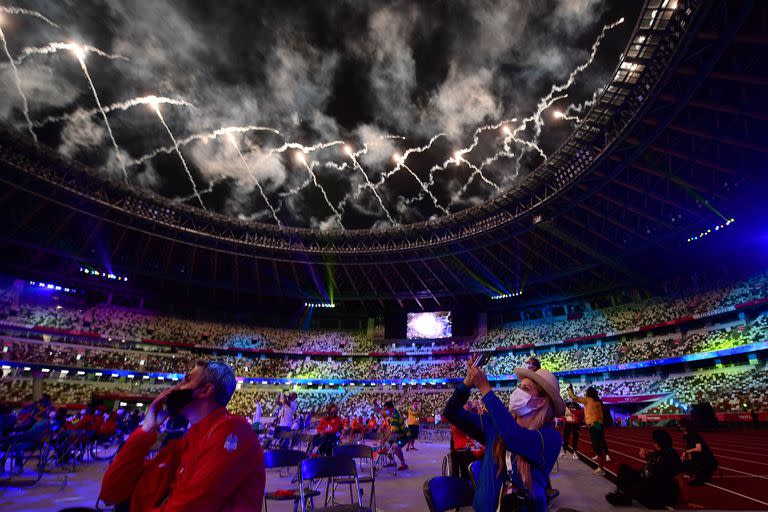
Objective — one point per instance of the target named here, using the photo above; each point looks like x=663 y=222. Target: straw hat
x=548 y=382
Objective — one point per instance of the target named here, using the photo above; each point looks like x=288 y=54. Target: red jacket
x=217 y=466
x=329 y=425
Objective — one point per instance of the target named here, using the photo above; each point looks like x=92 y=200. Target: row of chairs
x=26 y=456
x=339 y=470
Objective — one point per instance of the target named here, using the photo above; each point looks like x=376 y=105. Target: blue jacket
x=518 y=440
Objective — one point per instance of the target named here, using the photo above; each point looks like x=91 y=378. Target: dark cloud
x=316 y=71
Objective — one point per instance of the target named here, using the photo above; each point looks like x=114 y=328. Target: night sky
x=377 y=77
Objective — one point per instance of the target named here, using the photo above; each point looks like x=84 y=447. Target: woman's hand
x=479 y=380
x=468 y=378
x=643 y=453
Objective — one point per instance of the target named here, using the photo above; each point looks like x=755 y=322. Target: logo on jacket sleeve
x=230 y=443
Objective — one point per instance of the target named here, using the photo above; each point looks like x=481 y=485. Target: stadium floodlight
x=708 y=231
x=103 y=274
x=319 y=305
x=506 y=295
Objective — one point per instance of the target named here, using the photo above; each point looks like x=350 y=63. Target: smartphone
x=482 y=359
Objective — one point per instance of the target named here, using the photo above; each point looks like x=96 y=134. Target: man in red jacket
x=217 y=466
x=328 y=431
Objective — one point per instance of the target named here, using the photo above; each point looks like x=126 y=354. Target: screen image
x=429 y=325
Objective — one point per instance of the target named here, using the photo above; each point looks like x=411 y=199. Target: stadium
x=319 y=230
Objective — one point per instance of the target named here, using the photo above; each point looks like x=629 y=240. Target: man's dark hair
x=662 y=438
x=592 y=393
x=688 y=425
x=534 y=361
x=389 y=405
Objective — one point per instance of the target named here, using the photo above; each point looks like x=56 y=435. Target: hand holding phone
x=482 y=359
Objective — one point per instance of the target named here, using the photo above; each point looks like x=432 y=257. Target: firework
x=80 y=53
x=351 y=155
x=122 y=106
x=19 y=89
x=302 y=160
x=26 y=12
x=14 y=71
x=156 y=108
x=77 y=49
x=253 y=177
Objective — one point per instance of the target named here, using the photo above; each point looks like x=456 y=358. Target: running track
x=742 y=455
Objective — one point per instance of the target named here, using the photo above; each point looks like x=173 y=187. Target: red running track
x=740 y=484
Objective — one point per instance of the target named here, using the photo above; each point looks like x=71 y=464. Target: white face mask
x=518 y=403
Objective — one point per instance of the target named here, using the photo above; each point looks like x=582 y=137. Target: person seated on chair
x=328 y=432
x=521 y=442
x=109 y=427
x=464 y=449
x=357 y=428
x=698 y=460
x=654 y=486
x=371 y=425
x=218 y=465
x=397 y=430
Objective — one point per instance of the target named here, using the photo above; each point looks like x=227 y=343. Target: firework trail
x=59 y=46
x=405 y=156
x=80 y=54
x=351 y=155
x=581 y=107
x=300 y=157
x=547 y=101
x=423 y=186
x=14 y=71
x=458 y=156
x=253 y=177
x=211 y=184
x=17 y=81
x=562 y=115
x=123 y=105
x=204 y=136
x=26 y=12
x=156 y=108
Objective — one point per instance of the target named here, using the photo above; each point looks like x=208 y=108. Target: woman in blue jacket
x=521 y=442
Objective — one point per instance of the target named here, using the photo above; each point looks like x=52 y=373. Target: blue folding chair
x=359 y=452
x=330 y=469
x=474 y=472
x=285 y=459
x=445 y=493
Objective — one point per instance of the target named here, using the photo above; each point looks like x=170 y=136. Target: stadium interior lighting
x=319 y=305
x=709 y=231
x=506 y=295
x=102 y=274
x=51 y=286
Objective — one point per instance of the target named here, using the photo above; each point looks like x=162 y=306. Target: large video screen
x=429 y=325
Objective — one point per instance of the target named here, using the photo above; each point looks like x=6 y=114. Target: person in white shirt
x=257 y=416
x=288 y=406
x=438 y=418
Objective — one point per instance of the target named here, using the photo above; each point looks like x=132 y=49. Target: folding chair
x=285 y=459
x=474 y=472
x=21 y=449
x=445 y=493
x=362 y=452
x=385 y=455
x=329 y=468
